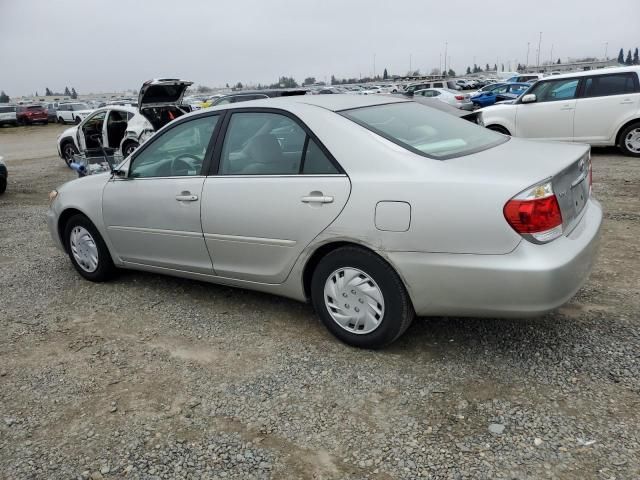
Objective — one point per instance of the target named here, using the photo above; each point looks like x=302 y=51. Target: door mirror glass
x=529 y=98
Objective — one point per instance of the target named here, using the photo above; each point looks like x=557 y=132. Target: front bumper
x=531 y=280
x=52 y=224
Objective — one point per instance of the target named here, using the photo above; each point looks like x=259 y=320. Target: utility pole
x=440 y=63
x=539 y=44
x=606 y=47
x=527 y=62
x=445 y=58
x=551 y=59
x=374 y=66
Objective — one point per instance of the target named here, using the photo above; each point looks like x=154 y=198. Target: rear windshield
x=424 y=130
x=35 y=107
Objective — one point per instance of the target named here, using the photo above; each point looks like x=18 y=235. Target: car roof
x=599 y=71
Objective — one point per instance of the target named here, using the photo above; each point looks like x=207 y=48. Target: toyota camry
x=374 y=209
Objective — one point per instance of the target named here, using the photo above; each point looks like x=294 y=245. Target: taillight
x=535 y=212
x=459 y=97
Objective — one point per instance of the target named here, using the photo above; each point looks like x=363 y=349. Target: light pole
x=551 y=59
x=606 y=47
x=526 y=66
x=374 y=66
x=445 y=58
x=410 y=72
x=539 y=43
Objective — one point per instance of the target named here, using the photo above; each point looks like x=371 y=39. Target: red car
x=28 y=114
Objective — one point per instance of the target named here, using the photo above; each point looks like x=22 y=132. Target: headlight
x=53 y=194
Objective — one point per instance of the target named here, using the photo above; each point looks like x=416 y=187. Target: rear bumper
x=466 y=105
x=531 y=280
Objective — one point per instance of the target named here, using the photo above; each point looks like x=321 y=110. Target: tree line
x=629 y=60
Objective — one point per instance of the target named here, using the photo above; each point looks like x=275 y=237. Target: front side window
x=555 y=90
x=261 y=143
x=424 y=130
x=177 y=152
x=604 y=85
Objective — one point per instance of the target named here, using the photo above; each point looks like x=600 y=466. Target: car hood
x=69 y=132
x=162 y=92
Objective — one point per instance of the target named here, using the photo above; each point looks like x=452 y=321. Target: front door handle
x=186 y=197
x=626 y=101
x=317 y=199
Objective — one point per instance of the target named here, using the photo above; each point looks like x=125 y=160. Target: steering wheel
x=181 y=162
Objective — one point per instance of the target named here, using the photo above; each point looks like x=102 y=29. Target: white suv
x=599 y=107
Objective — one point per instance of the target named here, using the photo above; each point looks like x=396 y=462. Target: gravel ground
x=157 y=377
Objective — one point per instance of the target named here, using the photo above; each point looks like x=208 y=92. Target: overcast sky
x=111 y=45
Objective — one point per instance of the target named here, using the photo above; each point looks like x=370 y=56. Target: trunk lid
x=162 y=92
x=520 y=164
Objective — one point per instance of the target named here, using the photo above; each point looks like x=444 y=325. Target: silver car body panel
x=458 y=257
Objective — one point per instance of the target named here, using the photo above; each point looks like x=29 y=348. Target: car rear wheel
x=629 y=142
x=499 y=129
x=360 y=298
x=87 y=251
x=60 y=120
x=128 y=148
x=3 y=185
x=78 y=120
x=68 y=151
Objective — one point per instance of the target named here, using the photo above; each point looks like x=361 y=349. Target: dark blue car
x=504 y=91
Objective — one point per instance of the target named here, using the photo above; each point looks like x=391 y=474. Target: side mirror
x=529 y=98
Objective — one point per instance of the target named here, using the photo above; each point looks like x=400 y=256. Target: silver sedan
x=373 y=208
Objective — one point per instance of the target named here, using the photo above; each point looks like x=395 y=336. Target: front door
x=153 y=215
x=550 y=117
x=276 y=189
x=90 y=132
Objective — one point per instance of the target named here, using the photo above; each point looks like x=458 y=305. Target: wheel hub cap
x=632 y=140
x=84 y=249
x=354 y=300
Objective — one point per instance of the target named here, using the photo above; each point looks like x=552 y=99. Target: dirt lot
x=157 y=377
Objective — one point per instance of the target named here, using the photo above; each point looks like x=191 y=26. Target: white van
x=8 y=115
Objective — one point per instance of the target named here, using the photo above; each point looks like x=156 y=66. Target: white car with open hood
x=122 y=127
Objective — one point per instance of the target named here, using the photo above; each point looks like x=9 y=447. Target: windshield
x=425 y=130
x=80 y=106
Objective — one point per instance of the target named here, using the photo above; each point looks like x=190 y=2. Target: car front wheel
x=87 y=251
x=630 y=140
x=360 y=298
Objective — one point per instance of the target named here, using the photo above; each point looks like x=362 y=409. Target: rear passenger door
x=274 y=189
x=606 y=102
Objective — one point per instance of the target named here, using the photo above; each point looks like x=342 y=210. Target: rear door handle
x=316 y=199
x=626 y=101
x=567 y=107
x=186 y=197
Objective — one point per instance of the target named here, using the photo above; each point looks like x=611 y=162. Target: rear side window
x=438 y=85
x=7 y=109
x=604 y=85
x=424 y=130
x=260 y=143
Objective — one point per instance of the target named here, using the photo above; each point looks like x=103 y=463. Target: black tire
x=46 y=122
x=128 y=148
x=499 y=129
x=398 y=310
x=68 y=150
x=3 y=185
x=77 y=120
x=622 y=144
x=60 y=120
x=105 y=268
